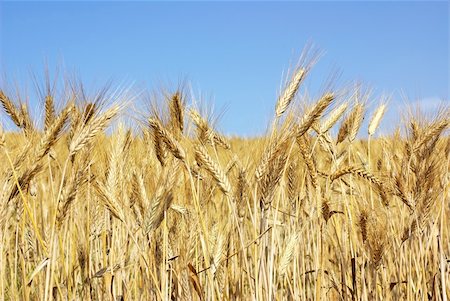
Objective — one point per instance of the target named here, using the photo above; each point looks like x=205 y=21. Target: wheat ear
x=49 y=111
x=88 y=132
x=358 y=171
x=376 y=118
x=334 y=116
x=172 y=144
x=176 y=108
x=312 y=116
x=11 y=109
x=289 y=92
x=202 y=157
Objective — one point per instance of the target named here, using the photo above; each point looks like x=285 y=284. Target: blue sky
x=233 y=53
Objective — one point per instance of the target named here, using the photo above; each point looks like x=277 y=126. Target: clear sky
x=233 y=53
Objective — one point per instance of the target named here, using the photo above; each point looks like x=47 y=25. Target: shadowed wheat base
x=177 y=211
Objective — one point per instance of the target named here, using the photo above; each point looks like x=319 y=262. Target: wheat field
x=320 y=208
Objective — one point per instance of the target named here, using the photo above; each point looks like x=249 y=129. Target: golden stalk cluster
x=177 y=211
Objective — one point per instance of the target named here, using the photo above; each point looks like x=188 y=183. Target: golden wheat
x=178 y=211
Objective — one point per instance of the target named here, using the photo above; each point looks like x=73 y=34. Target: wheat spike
x=53 y=131
x=376 y=240
x=435 y=130
x=27 y=123
x=289 y=92
x=362 y=223
x=335 y=115
x=288 y=254
x=92 y=129
x=176 y=108
x=202 y=157
x=376 y=118
x=303 y=144
x=314 y=114
x=357 y=118
x=49 y=111
x=360 y=171
x=172 y=144
x=11 y=109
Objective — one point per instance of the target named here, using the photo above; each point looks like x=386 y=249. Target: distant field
x=174 y=210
